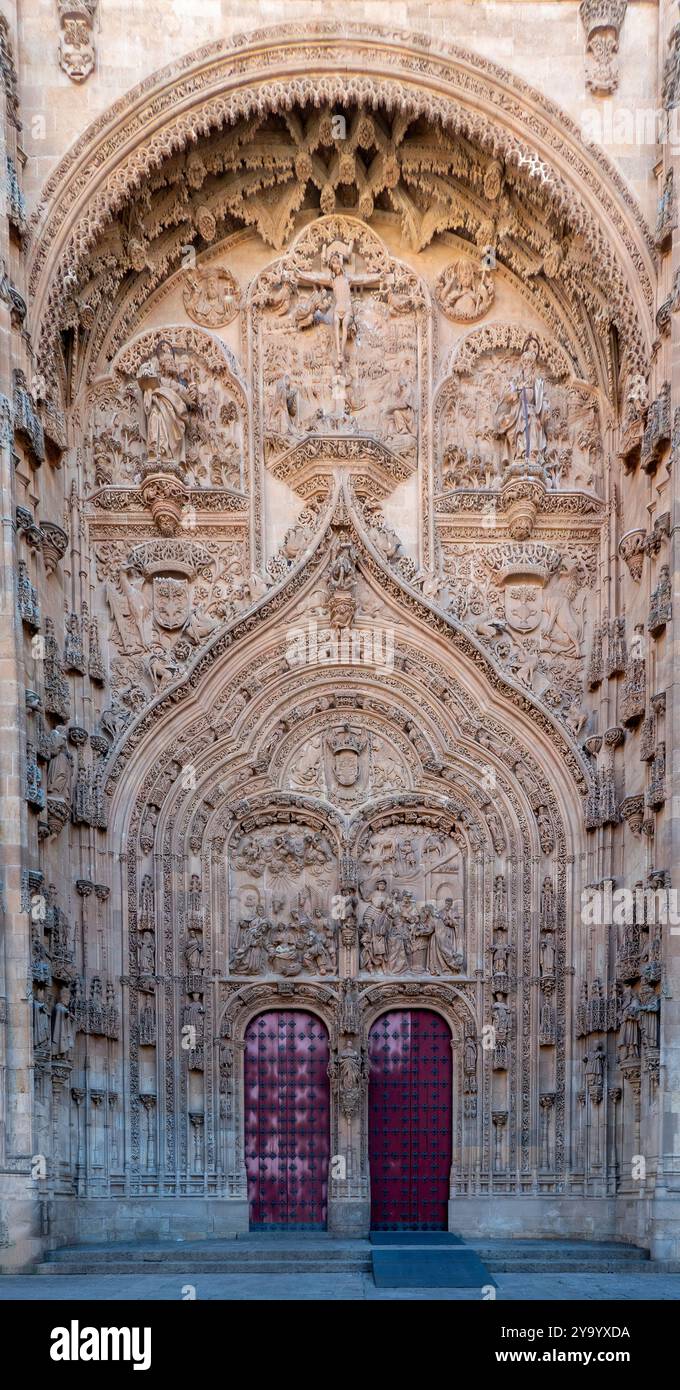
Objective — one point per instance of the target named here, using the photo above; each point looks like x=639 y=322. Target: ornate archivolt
x=499 y=178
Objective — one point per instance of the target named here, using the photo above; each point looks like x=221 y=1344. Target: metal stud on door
x=287 y=1120
x=409 y=1120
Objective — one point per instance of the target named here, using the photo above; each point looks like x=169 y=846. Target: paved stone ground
x=282 y=1287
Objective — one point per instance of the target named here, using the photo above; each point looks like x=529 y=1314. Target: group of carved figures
x=285 y=944
x=398 y=935
x=53 y=1030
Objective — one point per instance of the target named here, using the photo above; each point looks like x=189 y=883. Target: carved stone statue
x=60 y=767
x=63 y=1030
x=347 y=1071
x=374 y=928
x=147 y=954
x=250 y=956
x=41 y=1018
x=547 y=956
x=522 y=412
x=147 y=908
x=629 y=1029
x=443 y=957
x=166 y=402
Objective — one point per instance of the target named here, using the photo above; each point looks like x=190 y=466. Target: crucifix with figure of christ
x=340 y=283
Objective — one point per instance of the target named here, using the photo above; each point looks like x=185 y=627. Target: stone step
x=563 y=1259
x=319 y=1253
x=237 y=1255
x=257 y=1265
x=592 y=1266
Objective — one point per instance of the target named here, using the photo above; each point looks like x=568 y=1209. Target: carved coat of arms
x=170 y=602
x=523 y=606
x=345 y=756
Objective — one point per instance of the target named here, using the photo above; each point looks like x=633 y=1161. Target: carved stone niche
x=602 y=21
x=341 y=330
x=510 y=410
x=54 y=543
x=171 y=420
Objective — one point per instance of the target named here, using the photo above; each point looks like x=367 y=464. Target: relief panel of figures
x=509 y=408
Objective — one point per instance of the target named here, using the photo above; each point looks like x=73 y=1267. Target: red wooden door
x=287 y=1119
x=409 y=1120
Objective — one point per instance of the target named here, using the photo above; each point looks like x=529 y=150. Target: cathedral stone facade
x=339 y=401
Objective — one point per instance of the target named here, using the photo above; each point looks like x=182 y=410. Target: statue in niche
x=147 y=833
x=547 y=957
x=349 y=1007
x=41 y=1018
x=60 y=767
x=193 y=954
x=650 y=1013
x=629 y=1030
x=500 y=958
x=470 y=1055
x=147 y=907
x=147 y=954
x=522 y=412
x=166 y=400
x=63 y=1030
x=147 y=1024
x=500 y=915
x=500 y=1016
x=195 y=904
x=347 y=1071
x=595 y=1062
x=547 y=905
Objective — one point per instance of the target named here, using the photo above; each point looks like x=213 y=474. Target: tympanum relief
x=281 y=886
x=288 y=917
